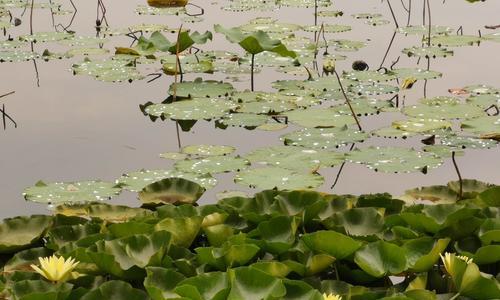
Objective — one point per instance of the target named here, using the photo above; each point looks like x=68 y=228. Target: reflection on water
x=76 y=128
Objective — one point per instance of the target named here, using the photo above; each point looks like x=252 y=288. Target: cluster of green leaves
x=275 y=245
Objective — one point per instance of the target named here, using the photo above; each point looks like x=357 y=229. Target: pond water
x=74 y=128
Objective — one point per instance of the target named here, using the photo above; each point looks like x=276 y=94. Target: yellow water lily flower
x=55 y=268
x=465 y=258
x=408 y=83
x=331 y=297
x=447 y=261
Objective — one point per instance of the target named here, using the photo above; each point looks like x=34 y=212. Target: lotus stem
x=347 y=100
x=8 y=94
x=252 y=73
x=430 y=23
x=460 y=194
x=392 y=13
x=340 y=171
x=388 y=49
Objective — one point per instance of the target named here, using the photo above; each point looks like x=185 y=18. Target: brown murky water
x=75 y=128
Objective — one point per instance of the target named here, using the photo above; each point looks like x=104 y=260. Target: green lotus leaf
x=369 y=76
x=481 y=89
x=266 y=107
x=144 y=28
x=42 y=37
x=377 y=22
x=173 y=156
x=417 y=74
x=488 y=127
x=424 y=252
x=273 y=177
x=255 y=42
x=248 y=121
x=71 y=192
x=373 y=89
x=322 y=117
x=136 y=181
x=22 y=261
x=391 y=132
x=125 y=257
x=484 y=100
x=332 y=243
x=294 y=158
x=159 y=11
x=328 y=28
x=115 y=213
x=116 y=290
x=86 y=52
x=61 y=235
x=362 y=221
x=160 y=282
x=417 y=125
x=21 y=232
x=489 y=232
x=212 y=285
x=278 y=233
x=330 y=13
x=269 y=26
x=38 y=289
x=491 y=196
x=207 y=150
x=171 y=190
x=218 y=234
x=437 y=193
x=455 y=40
x=423 y=30
x=487 y=255
x=83 y=41
x=273 y=268
x=108 y=70
x=17 y=56
x=394 y=160
x=306 y=3
x=183 y=230
x=212 y=164
x=184 y=41
x=494 y=37
x=193 y=109
x=381 y=258
x=201 y=89
x=253 y=284
x=427 y=52
x=440 y=100
x=324 y=138
x=346 y=45
x=444 y=112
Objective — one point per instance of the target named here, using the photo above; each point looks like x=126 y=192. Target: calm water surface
x=73 y=128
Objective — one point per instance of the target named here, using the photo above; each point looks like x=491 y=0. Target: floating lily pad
x=421 y=125
x=324 y=117
x=455 y=40
x=269 y=178
x=42 y=37
x=71 y=192
x=294 y=158
x=427 y=52
x=369 y=76
x=373 y=89
x=394 y=160
x=174 y=155
x=444 y=111
x=200 y=88
x=17 y=56
x=136 y=181
x=192 y=109
x=328 y=28
x=424 y=30
x=440 y=100
x=249 y=121
x=324 y=138
x=416 y=73
x=391 y=132
x=208 y=150
x=107 y=70
x=171 y=190
x=481 y=89
x=212 y=165
x=485 y=100
x=487 y=127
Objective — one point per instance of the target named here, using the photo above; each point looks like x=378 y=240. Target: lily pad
x=394 y=160
x=19 y=233
x=323 y=117
x=324 y=138
x=192 y=109
x=136 y=181
x=212 y=165
x=272 y=177
x=200 y=88
x=171 y=190
x=71 y=192
x=208 y=150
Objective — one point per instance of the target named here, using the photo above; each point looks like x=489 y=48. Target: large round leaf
x=272 y=177
x=332 y=243
x=21 y=232
x=171 y=190
x=381 y=258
